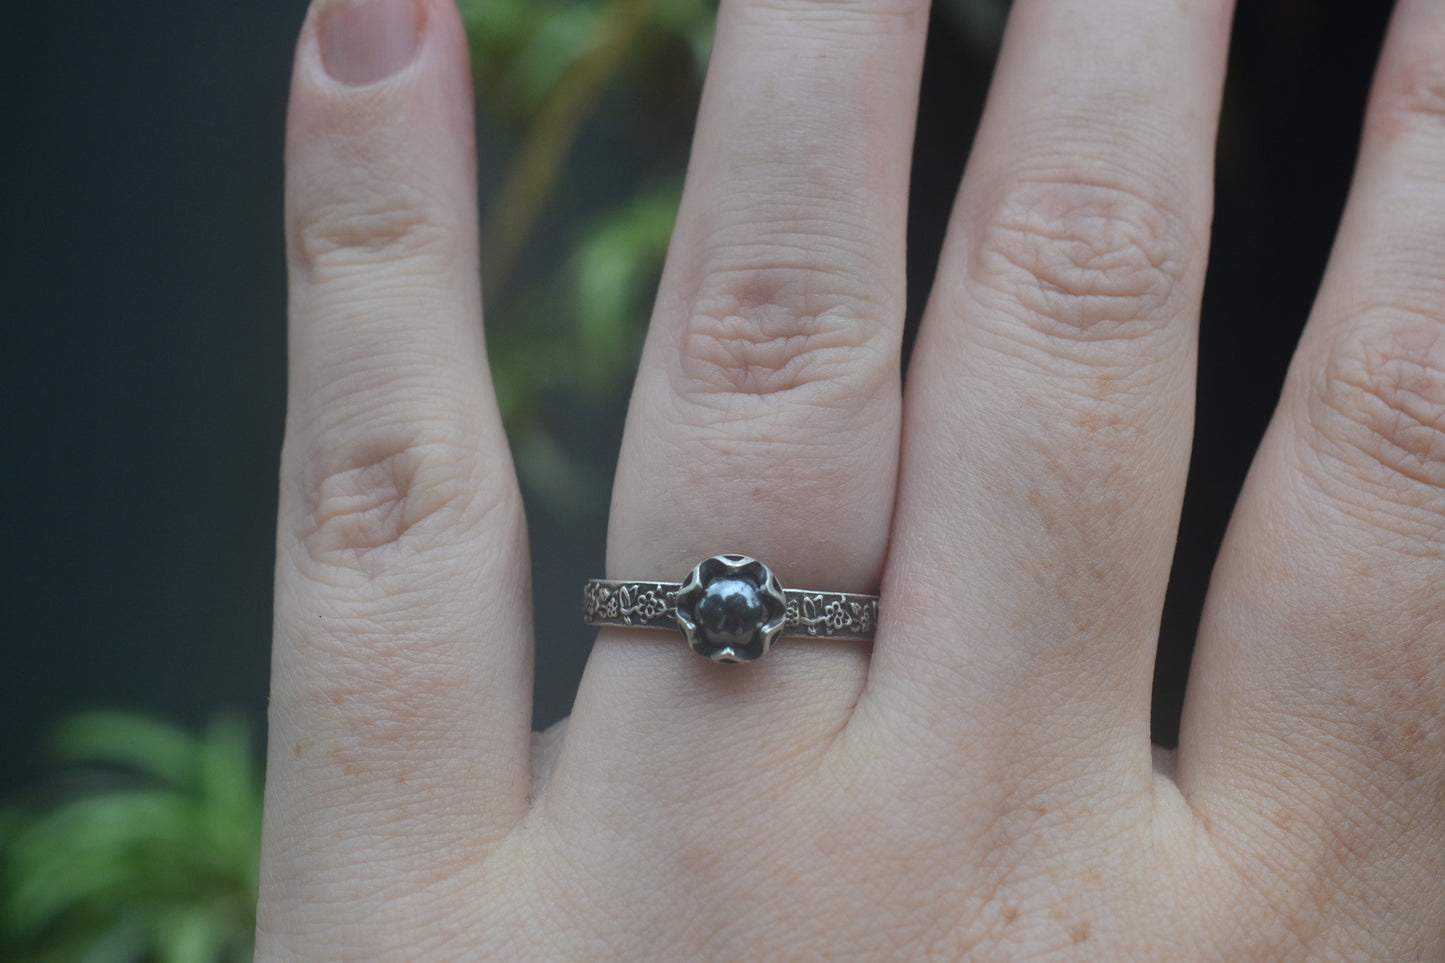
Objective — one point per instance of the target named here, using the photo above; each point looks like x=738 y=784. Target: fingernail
x=363 y=41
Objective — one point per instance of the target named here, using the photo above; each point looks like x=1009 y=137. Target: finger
x=764 y=419
x=1315 y=706
x=401 y=676
x=1050 y=398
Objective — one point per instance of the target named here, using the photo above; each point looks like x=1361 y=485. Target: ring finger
x=765 y=415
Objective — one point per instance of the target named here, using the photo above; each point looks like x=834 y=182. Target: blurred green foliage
x=142 y=847
x=569 y=327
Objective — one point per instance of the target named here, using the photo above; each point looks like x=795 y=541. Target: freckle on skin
x=1010 y=913
x=1079 y=933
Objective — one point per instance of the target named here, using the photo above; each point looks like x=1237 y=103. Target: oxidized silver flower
x=731 y=608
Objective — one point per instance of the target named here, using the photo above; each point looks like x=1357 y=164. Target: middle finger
x=1050 y=401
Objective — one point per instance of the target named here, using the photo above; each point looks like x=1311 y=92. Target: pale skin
x=978 y=784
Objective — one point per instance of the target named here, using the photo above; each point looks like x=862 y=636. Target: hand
x=977 y=784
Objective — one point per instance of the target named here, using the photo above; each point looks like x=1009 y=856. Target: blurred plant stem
x=539 y=160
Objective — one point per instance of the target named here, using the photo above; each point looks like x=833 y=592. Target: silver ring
x=731 y=608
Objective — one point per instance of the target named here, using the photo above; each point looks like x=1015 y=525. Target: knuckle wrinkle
x=1411 y=96
x=365 y=505
x=1380 y=402
x=1079 y=260
x=370 y=232
x=769 y=335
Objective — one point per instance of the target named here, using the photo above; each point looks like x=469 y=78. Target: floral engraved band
x=731 y=608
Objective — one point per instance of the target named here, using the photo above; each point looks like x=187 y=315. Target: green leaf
x=190 y=936
x=127 y=741
x=162 y=868
x=111 y=847
x=123 y=941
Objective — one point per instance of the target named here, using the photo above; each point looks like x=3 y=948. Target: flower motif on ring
x=731 y=608
x=649 y=606
x=838 y=616
x=865 y=615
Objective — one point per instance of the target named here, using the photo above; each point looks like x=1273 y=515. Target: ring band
x=731 y=608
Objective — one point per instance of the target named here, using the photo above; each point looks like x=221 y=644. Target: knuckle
x=400 y=225
x=1378 y=407
x=370 y=502
x=1077 y=262
x=1410 y=92
x=779 y=330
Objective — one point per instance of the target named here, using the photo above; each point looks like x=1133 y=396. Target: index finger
x=400 y=704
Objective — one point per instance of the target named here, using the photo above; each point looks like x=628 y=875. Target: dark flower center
x=730 y=611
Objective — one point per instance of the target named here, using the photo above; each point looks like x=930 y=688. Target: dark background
x=144 y=311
